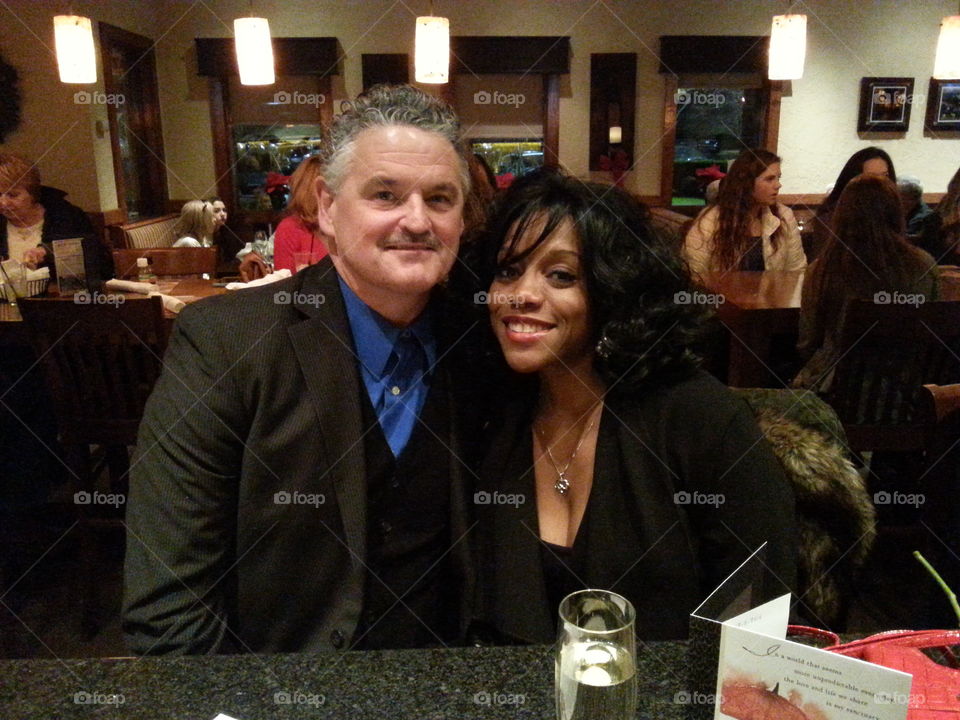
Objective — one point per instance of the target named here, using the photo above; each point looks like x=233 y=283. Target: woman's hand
x=34 y=257
x=252 y=267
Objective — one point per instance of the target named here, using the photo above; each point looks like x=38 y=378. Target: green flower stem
x=951 y=595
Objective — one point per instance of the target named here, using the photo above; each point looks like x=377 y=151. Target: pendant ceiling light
x=254 y=50
x=76 y=59
x=947 y=64
x=788 y=47
x=432 y=50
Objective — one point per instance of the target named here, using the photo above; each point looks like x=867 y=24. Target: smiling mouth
x=527 y=327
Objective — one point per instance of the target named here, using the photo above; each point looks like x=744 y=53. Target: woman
x=196 y=225
x=747 y=229
x=298 y=233
x=868 y=253
x=949 y=211
x=868 y=161
x=32 y=216
x=615 y=463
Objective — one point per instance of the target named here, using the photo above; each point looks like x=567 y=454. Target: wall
x=847 y=39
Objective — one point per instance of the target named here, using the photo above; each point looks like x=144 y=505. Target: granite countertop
x=462 y=683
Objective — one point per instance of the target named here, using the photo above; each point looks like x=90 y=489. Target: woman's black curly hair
x=643 y=324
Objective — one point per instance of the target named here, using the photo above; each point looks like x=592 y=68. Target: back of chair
x=101 y=362
x=887 y=353
x=167 y=261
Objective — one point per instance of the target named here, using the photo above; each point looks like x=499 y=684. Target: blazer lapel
x=324 y=348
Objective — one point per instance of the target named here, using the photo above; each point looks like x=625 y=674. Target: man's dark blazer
x=247 y=508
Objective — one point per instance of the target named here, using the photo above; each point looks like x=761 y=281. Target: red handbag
x=935 y=692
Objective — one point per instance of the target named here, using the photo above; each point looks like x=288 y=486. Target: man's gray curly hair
x=383 y=106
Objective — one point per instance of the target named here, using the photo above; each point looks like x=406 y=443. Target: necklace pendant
x=562 y=484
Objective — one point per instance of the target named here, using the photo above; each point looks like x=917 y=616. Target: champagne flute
x=595 y=666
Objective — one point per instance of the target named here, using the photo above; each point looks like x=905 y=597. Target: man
x=923 y=224
x=297 y=484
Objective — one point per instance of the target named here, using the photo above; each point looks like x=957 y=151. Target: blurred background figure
x=868 y=161
x=868 y=252
x=297 y=236
x=483 y=188
x=949 y=211
x=196 y=225
x=747 y=229
x=922 y=223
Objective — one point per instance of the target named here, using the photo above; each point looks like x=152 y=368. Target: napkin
x=130 y=286
x=38 y=274
x=170 y=303
x=265 y=280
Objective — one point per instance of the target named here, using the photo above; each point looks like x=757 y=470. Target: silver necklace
x=562 y=485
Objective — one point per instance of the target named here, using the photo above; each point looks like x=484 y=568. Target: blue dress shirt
x=396 y=365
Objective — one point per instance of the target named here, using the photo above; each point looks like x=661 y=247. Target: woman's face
x=15 y=203
x=219 y=214
x=539 y=308
x=876 y=166
x=767 y=185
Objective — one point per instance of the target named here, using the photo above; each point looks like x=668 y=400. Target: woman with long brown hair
x=949 y=211
x=747 y=229
x=868 y=253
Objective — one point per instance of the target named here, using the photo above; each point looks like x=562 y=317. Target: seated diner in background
x=949 y=211
x=633 y=470
x=747 y=229
x=32 y=216
x=867 y=161
x=922 y=222
x=868 y=253
x=196 y=225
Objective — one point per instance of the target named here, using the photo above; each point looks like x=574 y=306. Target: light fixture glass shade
x=616 y=134
x=76 y=59
x=254 y=50
x=788 y=47
x=947 y=64
x=432 y=51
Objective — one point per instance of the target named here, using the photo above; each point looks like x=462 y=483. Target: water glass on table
x=596 y=659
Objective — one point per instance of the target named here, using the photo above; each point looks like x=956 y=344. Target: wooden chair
x=167 y=261
x=887 y=353
x=101 y=362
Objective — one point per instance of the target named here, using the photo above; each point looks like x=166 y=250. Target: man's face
x=395 y=222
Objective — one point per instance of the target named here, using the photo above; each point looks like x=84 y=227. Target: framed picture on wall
x=943 y=105
x=885 y=104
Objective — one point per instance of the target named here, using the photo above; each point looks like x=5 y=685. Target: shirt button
x=386 y=527
x=395 y=390
x=336 y=639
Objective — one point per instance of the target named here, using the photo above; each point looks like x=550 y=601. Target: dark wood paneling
x=551 y=121
x=613 y=82
x=509 y=55
x=217 y=57
x=713 y=54
x=389 y=68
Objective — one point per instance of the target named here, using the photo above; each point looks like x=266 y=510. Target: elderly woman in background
x=868 y=252
x=196 y=225
x=32 y=216
x=638 y=472
x=868 y=161
x=747 y=229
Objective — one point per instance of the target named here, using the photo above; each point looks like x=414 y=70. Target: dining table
x=443 y=684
